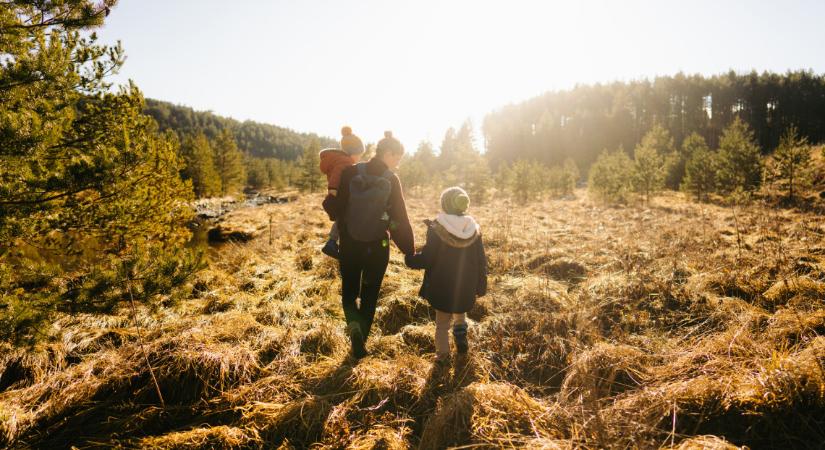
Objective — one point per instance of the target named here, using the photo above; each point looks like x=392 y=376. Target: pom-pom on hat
x=389 y=145
x=455 y=201
x=350 y=143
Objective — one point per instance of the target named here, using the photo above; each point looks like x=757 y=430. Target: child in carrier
x=455 y=270
x=333 y=162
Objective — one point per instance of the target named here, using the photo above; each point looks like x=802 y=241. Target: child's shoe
x=331 y=249
x=460 y=337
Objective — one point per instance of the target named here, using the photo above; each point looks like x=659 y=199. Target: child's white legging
x=443 y=320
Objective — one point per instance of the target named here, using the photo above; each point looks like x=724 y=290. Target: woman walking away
x=455 y=270
x=369 y=209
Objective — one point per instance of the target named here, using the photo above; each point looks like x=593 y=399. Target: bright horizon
x=419 y=68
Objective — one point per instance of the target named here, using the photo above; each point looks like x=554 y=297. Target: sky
x=419 y=67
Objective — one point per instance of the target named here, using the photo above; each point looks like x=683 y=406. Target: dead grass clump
x=299 y=422
x=705 y=443
x=802 y=292
x=381 y=437
x=20 y=368
x=495 y=415
x=419 y=338
x=541 y=260
x=788 y=327
x=528 y=348
x=792 y=382
x=189 y=368
x=215 y=302
x=381 y=385
x=778 y=405
x=323 y=340
x=531 y=292
x=303 y=259
x=747 y=285
x=396 y=312
x=327 y=269
x=220 y=437
x=565 y=269
x=605 y=370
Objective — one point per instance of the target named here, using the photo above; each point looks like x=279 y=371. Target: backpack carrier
x=366 y=218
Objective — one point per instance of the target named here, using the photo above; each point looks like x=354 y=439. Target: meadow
x=669 y=325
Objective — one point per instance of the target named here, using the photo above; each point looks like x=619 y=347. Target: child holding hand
x=455 y=270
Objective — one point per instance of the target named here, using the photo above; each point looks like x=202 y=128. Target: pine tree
x=479 y=179
x=792 y=158
x=700 y=173
x=526 y=180
x=309 y=177
x=229 y=163
x=88 y=186
x=200 y=166
x=611 y=177
x=257 y=175
x=740 y=165
x=649 y=171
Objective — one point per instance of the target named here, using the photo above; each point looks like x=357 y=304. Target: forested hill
x=256 y=139
x=580 y=123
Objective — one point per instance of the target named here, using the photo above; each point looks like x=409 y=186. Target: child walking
x=455 y=270
x=333 y=163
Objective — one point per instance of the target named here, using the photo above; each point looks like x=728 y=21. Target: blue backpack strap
x=388 y=175
x=362 y=169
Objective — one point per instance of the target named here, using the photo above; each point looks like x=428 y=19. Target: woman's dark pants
x=363 y=265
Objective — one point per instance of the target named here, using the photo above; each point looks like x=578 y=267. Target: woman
x=364 y=248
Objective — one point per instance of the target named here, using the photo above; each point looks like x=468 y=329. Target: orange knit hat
x=350 y=143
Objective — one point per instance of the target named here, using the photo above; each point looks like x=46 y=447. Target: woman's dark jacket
x=455 y=270
x=400 y=228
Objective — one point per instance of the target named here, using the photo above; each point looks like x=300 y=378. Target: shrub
x=611 y=177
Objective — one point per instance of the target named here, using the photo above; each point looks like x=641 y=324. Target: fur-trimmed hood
x=456 y=231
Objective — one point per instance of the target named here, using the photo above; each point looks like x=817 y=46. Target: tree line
x=580 y=123
x=254 y=139
x=222 y=156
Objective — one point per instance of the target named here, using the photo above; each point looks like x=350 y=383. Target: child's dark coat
x=455 y=269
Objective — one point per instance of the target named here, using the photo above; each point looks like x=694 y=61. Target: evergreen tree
x=257 y=175
x=611 y=177
x=571 y=174
x=700 y=173
x=92 y=207
x=649 y=171
x=792 y=158
x=419 y=169
x=561 y=180
x=526 y=180
x=309 y=177
x=229 y=163
x=479 y=179
x=740 y=165
x=692 y=144
x=200 y=166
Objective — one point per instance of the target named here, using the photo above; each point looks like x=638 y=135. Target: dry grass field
x=674 y=325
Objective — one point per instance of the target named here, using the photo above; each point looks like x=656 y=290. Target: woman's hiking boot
x=359 y=349
x=460 y=337
x=330 y=249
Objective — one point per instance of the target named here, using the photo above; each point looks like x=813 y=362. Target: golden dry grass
x=675 y=325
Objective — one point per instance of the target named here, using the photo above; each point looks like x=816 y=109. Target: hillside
x=679 y=324
x=254 y=138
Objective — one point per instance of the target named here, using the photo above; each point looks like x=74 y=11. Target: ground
x=674 y=324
